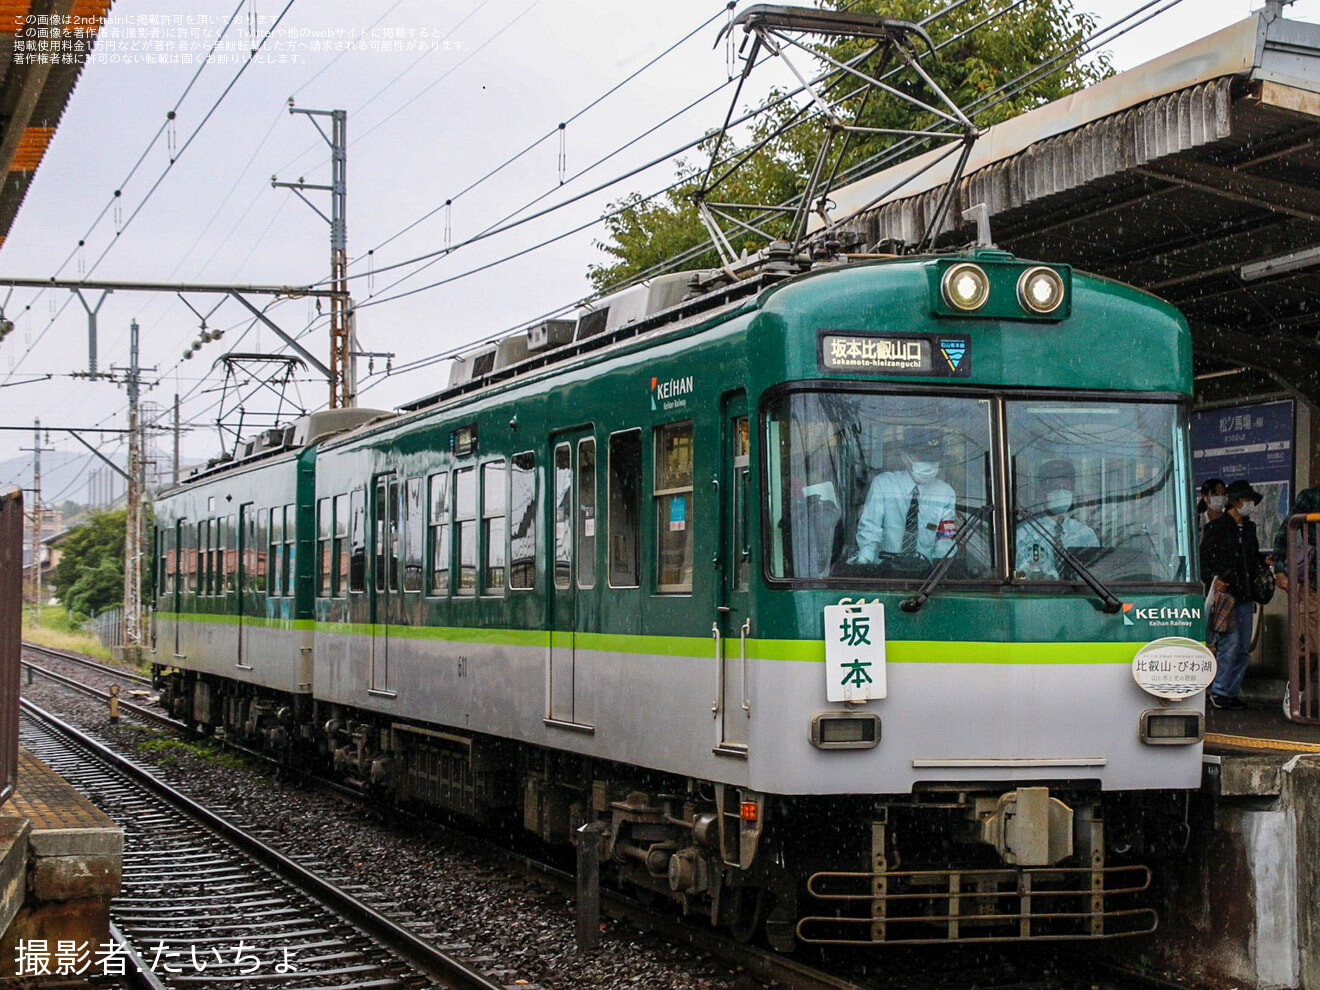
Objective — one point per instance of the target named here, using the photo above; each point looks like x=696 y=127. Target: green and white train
x=643 y=568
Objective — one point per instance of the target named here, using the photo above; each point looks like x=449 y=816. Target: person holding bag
x=1230 y=566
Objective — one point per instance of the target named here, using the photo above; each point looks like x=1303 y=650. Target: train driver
x=1038 y=536
x=912 y=510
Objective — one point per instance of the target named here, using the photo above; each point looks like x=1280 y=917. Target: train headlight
x=1040 y=290
x=845 y=730
x=966 y=287
x=1171 y=728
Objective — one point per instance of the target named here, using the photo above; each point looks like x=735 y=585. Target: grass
x=57 y=632
x=170 y=750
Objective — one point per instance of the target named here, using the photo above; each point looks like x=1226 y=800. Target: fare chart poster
x=1252 y=443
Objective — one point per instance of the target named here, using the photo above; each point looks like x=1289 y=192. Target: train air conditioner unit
x=551 y=333
x=472 y=365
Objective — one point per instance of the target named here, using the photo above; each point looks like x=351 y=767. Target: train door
x=733 y=623
x=572 y=566
x=386 y=506
x=248 y=548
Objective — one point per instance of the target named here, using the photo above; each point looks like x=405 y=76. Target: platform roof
x=35 y=90
x=1195 y=176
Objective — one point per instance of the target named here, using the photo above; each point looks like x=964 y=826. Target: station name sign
x=935 y=355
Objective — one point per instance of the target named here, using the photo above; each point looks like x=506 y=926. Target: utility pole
x=343 y=373
x=176 y=439
x=132 y=625
x=36 y=449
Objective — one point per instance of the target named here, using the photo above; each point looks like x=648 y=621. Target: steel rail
x=87 y=662
x=409 y=947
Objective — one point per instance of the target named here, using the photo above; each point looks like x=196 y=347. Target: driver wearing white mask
x=909 y=511
x=1037 y=557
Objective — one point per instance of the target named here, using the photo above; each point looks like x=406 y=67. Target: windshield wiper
x=942 y=568
x=1111 y=602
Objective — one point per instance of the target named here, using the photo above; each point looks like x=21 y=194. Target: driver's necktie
x=910 y=525
x=1059 y=561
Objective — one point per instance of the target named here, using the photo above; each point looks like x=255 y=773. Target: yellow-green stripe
x=789 y=650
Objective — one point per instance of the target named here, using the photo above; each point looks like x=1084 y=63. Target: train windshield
x=867 y=486
x=1106 y=481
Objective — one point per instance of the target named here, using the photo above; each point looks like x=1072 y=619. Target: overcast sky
x=442 y=94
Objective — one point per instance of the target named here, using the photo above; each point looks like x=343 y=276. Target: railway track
x=203 y=902
x=117 y=675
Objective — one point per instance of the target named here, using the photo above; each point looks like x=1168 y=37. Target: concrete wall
x=1243 y=905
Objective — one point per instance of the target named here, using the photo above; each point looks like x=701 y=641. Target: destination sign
x=934 y=355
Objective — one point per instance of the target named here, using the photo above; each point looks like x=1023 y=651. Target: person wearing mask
x=1229 y=555
x=911 y=511
x=1211 y=504
x=1040 y=536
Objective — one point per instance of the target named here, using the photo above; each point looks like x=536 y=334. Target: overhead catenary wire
x=169 y=166
x=383 y=89
x=988 y=101
x=510 y=222
x=504 y=226
x=571 y=118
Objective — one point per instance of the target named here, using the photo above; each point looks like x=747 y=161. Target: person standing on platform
x=1229 y=555
x=1307 y=595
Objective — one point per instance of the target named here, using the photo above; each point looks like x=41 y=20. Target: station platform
x=1261 y=728
x=61 y=861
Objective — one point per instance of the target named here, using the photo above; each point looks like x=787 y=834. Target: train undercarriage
x=1031 y=863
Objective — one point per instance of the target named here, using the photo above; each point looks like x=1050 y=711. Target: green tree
x=1022 y=46
x=90 y=574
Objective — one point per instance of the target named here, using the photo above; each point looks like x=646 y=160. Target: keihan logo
x=1164 y=616
x=670 y=391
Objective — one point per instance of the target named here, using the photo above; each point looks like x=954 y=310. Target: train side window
x=439 y=497
x=673 y=507
x=203 y=551
x=396 y=511
x=563 y=515
x=742 y=544
x=290 y=554
x=325 y=527
x=357 y=564
x=222 y=541
x=493 y=500
x=275 y=565
x=213 y=577
x=261 y=564
x=625 y=493
x=465 y=529
x=162 y=562
x=522 y=521
x=339 y=582
x=176 y=558
x=414 y=532
x=189 y=549
x=231 y=552
x=586 y=513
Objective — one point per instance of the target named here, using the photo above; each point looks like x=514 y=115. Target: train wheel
x=747 y=910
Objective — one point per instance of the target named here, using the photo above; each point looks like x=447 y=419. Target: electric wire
x=1004 y=92
x=552 y=132
x=169 y=166
x=502 y=226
